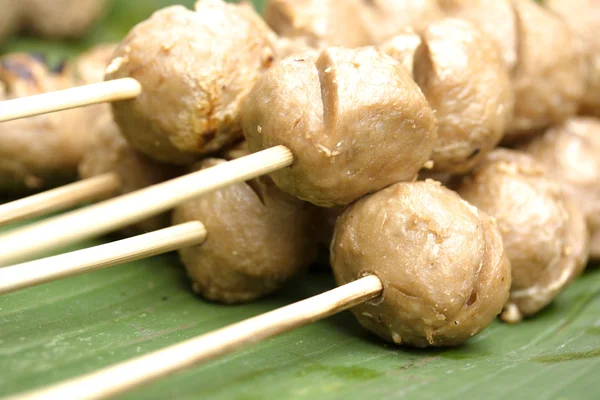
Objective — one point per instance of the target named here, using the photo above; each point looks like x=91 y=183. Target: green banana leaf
x=70 y=327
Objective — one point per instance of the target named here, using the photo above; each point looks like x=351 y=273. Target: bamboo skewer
x=23 y=244
x=103 y=92
x=128 y=375
x=35 y=273
x=60 y=198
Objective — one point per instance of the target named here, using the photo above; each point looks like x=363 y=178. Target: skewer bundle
x=340 y=127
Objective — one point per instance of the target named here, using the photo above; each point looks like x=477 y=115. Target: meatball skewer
x=458 y=148
x=273 y=241
x=125 y=210
x=330 y=149
x=394 y=294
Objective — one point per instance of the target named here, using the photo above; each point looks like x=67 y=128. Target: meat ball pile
x=54 y=19
x=368 y=95
x=445 y=86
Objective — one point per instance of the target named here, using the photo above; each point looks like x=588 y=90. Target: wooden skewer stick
x=60 y=198
x=35 y=273
x=103 y=92
x=111 y=381
x=23 y=244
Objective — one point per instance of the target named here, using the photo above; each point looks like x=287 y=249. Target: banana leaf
x=70 y=327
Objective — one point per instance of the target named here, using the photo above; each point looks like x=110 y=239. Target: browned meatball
x=107 y=151
x=349 y=135
x=258 y=237
x=583 y=17
x=496 y=18
x=544 y=235
x=466 y=84
x=61 y=18
x=444 y=271
x=39 y=152
x=386 y=18
x=196 y=68
x=320 y=23
x=548 y=80
x=570 y=152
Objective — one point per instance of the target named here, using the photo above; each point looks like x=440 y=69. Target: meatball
x=349 y=135
x=196 y=68
x=61 y=18
x=258 y=238
x=441 y=261
x=544 y=235
x=107 y=151
x=496 y=18
x=386 y=18
x=39 y=152
x=466 y=84
x=320 y=23
x=548 y=84
x=403 y=47
x=583 y=17
x=569 y=153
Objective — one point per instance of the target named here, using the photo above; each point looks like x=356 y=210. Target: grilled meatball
x=61 y=18
x=466 y=84
x=39 y=152
x=196 y=67
x=569 y=153
x=258 y=238
x=548 y=83
x=496 y=18
x=386 y=18
x=544 y=234
x=107 y=151
x=320 y=23
x=441 y=261
x=583 y=17
x=349 y=135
